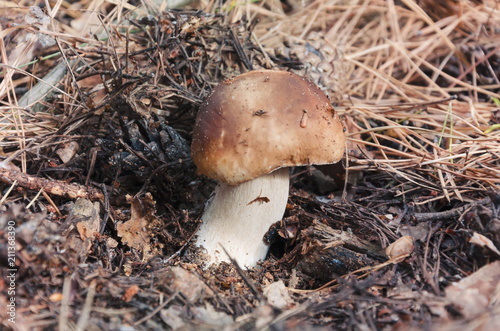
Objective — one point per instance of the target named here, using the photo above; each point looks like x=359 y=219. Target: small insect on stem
x=260 y=112
x=260 y=199
x=303 y=120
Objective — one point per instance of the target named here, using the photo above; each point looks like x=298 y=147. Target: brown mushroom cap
x=263 y=120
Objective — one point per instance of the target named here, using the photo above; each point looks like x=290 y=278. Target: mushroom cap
x=261 y=121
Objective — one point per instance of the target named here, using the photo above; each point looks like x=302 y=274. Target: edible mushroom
x=247 y=132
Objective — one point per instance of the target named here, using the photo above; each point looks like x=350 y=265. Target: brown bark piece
x=332 y=262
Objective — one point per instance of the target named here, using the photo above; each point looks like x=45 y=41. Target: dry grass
x=392 y=69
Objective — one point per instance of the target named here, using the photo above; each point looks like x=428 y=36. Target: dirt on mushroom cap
x=262 y=121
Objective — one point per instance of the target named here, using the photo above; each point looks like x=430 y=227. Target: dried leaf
x=188 y=284
x=172 y=316
x=130 y=293
x=182 y=318
x=89 y=211
x=136 y=232
x=68 y=150
x=111 y=242
x=277 y=295
x=482 y=241
x=400 y=249
x=474 y=294
x=55 y=297
x=418 y=232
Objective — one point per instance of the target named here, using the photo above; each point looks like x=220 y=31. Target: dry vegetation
x=98 y=100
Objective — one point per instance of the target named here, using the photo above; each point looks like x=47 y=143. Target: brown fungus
x=247 y=129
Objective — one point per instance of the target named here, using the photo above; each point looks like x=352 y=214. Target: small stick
x=47 y=197
x=87 y=307
x=51 y=186
x=8 y=192
x=183 y=246
x=244 y=276
x=157 y=309
x=64 y=312
x=452 y=213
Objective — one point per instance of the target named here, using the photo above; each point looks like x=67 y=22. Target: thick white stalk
x=237 y=217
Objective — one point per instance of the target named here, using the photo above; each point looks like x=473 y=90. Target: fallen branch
x=452 y=213
x=50 y=186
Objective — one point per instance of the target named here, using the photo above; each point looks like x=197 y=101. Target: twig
x=185 y=244
x=51 y=186
x=43 y=81
x=47 y=197
x=8 y=192
x=157 y=309
x=66 y=294
x=34 y=199
x=244 y=276
x=84 y=316
x=452 y=213
x=240 y=51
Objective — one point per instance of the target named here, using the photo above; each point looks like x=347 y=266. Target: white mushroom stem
x=237 y=217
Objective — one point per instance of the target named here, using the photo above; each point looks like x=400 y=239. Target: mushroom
x=247 y=132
